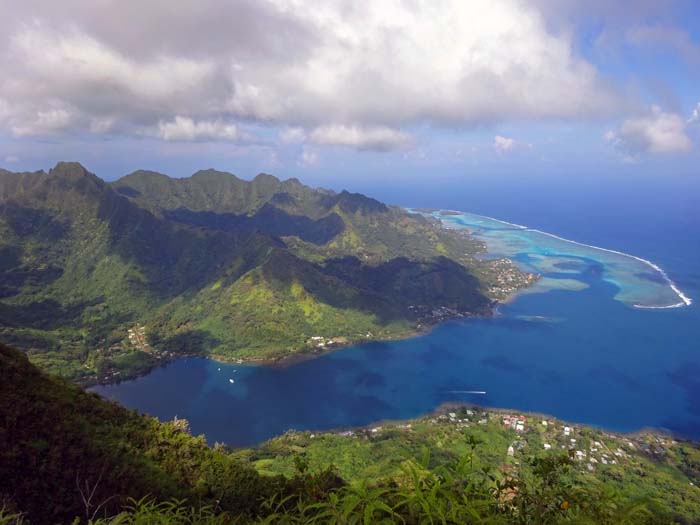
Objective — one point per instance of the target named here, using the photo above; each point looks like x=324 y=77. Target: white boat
x=231 y=381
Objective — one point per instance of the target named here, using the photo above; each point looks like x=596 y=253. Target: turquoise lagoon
x=641 y=283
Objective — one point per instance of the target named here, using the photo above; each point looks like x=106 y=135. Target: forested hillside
x=101 y=281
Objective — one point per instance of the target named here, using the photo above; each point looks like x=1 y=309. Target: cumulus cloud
x=656 y=132
x=184 y=128
x=47 y=122
x=349 y=73
x=503 y=144
x=377 y=138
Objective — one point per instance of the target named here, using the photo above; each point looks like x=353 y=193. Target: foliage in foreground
x=454 y=494
x=458 y=493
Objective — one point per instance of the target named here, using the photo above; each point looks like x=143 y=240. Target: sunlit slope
x=105 y=280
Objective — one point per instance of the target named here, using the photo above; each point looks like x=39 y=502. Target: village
x=432 y=314
x=322 y=343
x=126 y=358
x=528 y=435
x=137 y=338
x=508 y=279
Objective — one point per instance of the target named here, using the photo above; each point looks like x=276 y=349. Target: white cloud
x=75 y=62
x=503 y=144
x=377 y=138
x=449 y=62
x=308 y=158
x=354 y=73
x=47 y=122
x=184 y=128
x=656 y=132
x=11 y=158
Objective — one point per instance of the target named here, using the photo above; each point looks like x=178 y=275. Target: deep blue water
x=585 y=358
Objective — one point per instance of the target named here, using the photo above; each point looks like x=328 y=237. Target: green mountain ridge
x=100 y=281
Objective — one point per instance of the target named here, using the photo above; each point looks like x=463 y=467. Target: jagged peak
x=70 y=169
x=74 y=175
x=353 y=202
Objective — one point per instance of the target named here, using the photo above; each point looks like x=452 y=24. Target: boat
x=231 y=381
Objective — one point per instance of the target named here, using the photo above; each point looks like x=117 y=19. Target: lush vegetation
x=658 y=470
x=101 y=281
x=68 y=455
x=105 y=280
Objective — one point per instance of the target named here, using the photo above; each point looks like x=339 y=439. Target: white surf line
x=480 y=392
x=684 y=299
x=518 y=226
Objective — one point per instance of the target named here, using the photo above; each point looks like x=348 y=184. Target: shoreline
x=296 y=357
x=293 y=358
x=448 y=406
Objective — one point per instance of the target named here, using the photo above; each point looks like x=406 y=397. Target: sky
x=342 y=93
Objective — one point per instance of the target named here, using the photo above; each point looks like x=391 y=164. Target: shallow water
x=640 y=282
x=574 y=347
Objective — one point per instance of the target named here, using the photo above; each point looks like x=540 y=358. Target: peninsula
x=102 y=281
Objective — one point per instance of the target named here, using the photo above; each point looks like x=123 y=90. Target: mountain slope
x=100 y=281
x=59 y=444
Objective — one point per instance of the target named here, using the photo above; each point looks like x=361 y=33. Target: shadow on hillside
x=269 y=219
x=172 y=257
x=189 y=342
x=14 y=275
x=387 y=290
x=25 y=221
x=45 y=315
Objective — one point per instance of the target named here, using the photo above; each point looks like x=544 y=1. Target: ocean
x=577 y=347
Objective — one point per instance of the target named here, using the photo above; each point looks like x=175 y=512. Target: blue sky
x=347 y=95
